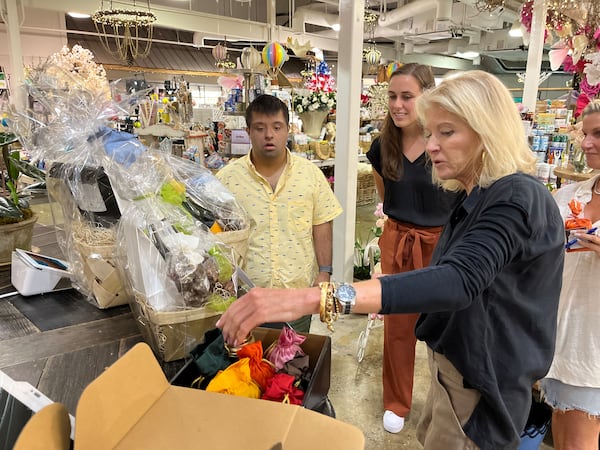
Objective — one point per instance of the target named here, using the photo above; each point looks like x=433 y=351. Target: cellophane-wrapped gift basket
x=70 y=100
x=137 y=225
x=182 y=274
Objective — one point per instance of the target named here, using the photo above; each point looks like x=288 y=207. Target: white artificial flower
x=592 y=70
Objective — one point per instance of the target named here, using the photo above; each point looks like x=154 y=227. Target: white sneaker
x=392 y=423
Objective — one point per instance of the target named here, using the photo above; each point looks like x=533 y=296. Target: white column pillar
x=349 y=75
x=17 y=96
x=534 y=55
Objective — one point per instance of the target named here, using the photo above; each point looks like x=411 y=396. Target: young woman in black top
x=416 y=209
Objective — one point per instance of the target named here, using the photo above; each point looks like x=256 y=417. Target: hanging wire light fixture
x=562 y=5
x=121 y=30
x=488 y=5
x=371 y=54
x=592 y=19
x=221 y=55
x=310 y=67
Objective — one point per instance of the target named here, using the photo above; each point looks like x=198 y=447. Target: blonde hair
x=484 y=103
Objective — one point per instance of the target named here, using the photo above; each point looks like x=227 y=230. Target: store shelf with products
x=550 y=137
x=253 y=85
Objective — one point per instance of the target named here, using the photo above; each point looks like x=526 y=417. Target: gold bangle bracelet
x=329 y=309
x=322 y=305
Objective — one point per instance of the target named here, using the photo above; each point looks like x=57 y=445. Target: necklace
x=596 y=191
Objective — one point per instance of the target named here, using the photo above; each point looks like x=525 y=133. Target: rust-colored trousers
x=403 y=247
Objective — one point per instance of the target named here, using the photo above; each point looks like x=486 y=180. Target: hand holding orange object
x=578 y=223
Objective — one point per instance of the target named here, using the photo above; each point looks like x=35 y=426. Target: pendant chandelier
x=121 y=30
x=562 y=5
x=221 y=55
x=488 y=5
x=371 y=54
x=592 y=19
x=310 y=67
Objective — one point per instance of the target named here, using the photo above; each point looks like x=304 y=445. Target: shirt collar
x=584 y=191
x=465 y=205
x=252 y=168
x=288 y=154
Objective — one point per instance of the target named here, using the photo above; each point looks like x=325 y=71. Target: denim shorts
x=565 y=397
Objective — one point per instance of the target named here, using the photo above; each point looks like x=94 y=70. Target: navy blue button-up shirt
x=489 y=300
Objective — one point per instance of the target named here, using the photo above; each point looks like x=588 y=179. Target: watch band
x=327 y=269
x=347 y=308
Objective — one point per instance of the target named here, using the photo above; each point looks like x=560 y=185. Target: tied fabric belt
x=411 y=242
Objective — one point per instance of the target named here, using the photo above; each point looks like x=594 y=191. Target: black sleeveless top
x=414 y=198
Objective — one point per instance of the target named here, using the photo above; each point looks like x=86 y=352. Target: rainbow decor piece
x=391 y=68
x=274 y=55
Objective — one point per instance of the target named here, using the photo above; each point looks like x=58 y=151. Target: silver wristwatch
x=346 y=295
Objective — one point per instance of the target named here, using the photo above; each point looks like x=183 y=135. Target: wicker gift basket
x=172 y=334
x=366 y=192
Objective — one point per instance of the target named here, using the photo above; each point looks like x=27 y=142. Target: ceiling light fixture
x=76 y=15
x=467 y=55
x=121 y=30
x=515 y=30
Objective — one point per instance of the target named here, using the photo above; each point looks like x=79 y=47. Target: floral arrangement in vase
x=319 y=91
x=309 y=101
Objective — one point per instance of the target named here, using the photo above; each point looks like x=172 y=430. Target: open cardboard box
x=132 y=406
x=318 y=349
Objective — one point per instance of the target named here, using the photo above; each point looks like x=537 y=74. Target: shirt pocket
x=300 y=216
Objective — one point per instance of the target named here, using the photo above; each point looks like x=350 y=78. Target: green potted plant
x=16 y=216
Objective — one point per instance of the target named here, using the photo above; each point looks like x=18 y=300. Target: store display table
x=570 y=174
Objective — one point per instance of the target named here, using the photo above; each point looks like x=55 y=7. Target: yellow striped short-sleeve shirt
x=280 y=246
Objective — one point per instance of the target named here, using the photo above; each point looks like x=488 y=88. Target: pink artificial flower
x=568 y=65
x=379 y=211
x=588 y=89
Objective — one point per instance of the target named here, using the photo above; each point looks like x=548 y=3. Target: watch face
x=345 y=293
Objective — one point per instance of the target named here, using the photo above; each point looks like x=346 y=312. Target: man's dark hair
x=268 y=105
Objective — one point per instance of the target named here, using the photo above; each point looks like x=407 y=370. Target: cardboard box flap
x=51 y=422
x=310 y=429
x=113 y=403
x=128 y=407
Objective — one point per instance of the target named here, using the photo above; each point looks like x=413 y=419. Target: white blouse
x=577 y=356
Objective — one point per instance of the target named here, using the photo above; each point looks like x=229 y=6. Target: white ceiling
x=406 y=29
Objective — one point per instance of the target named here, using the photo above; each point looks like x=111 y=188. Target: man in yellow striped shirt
x=289 y=202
